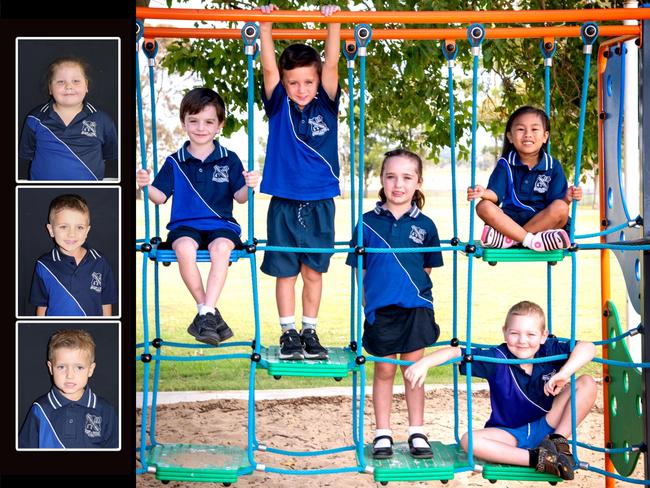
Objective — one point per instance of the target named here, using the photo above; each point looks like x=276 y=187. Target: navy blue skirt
x=399 y=330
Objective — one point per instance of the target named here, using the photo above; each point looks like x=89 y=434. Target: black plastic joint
x=167 y=264
x=606 y=53
x=146 y=247
x=643 y=447
x=145 y=358
x=353 y=346
x=641 y=329
x=359 y=250
x=250 y=249
x=638 y=220
x=253 y=344
x=470 y=248
x=617 y=50
x=637 y=42
x=609 y=445
x=454 y=241
x=573 y=248
x=360 y=360
x=602 y=115
x=256 y=357
x=606 y=312
x=454 y=342
x=255 y=241
x=155 y=240
x=607 y=379
x=604 y=223
x=157 y=343
x=468 y=358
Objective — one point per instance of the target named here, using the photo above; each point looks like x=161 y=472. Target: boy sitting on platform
x=531 y=408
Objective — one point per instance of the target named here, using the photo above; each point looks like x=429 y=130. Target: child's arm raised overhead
x=582 y=353
x=417 y=372
x=269 y=64
x=330 y=74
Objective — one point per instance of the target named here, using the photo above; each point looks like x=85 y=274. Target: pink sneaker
x=549 y=240
x=490 y=237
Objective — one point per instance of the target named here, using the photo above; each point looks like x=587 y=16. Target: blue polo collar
x=185 y=156
x=58 y=255
x=545 y=161
x=57 y=400
x=413 y=212
x=86 y=108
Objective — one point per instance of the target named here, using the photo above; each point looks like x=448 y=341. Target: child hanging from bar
x=526 y=200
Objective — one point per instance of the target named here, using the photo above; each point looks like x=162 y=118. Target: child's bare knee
x=221 y=247
x=587 y=384
x=485 y=207
x=464 y=441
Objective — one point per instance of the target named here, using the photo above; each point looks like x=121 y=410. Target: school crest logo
x=93 y=426
x=417 y=235
x=318 y=126
x=89 y=128
x=541 y=184
x=220 y=174
x=96 y=282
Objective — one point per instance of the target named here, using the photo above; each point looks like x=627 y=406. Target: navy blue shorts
x=523 y=216
x=530 y=435
x=202 y=237
x=294 y=223
x=399 y=330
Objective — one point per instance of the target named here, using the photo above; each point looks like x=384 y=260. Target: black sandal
x=382 y=452
x=420 y=452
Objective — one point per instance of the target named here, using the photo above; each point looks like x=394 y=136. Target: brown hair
x=71 y=339
x=69 y=201
x=418 y=196
x=298 y=56
x=197 y=99
x=527 y=308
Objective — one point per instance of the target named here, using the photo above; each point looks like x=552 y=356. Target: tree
x=406 y=80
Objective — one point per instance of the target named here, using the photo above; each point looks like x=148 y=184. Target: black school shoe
x=222 y=328
x=204 y=329
x=311 y=345
x=382 y=452
x=420 y=452
x=290 y=346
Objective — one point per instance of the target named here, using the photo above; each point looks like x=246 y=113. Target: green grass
x=494 y=290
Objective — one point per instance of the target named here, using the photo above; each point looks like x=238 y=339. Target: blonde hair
x=71 y=339
x=527 y=308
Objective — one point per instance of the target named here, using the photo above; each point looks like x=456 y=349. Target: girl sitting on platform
x=398 y=303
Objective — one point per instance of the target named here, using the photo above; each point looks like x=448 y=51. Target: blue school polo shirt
x=73 y=152
x=516 y=397
x=398 y=278
x=302 y=160
x=522 y=189
x=66 y=288
x=56 y=422
x=203 y=190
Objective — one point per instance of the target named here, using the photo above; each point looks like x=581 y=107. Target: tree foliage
x=407 y=100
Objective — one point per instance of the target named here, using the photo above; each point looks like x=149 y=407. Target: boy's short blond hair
x=527 y=308
x=69 y=201
x=71 y=339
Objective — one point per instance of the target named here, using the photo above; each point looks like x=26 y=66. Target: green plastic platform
x=187 y=462
x=493 y=256
x=626 y=424
x=340 y=362
x=495 y=472
x=403 y=467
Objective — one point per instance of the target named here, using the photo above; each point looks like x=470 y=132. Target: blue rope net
x=352 y=52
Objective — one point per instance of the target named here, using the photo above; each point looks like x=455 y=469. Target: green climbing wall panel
x=625 y=390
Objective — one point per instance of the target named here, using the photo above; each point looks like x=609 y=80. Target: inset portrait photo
x=68 y=251
x=68 y=385
x=68 y=109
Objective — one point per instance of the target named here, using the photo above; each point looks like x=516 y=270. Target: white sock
x=382 y=442
x=205 y=309
x=309 y=322
x=528 y=240
x=198 y=306
x=417 y=429
x=288 y=323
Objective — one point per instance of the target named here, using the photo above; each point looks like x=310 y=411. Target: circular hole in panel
x=626 y=454
x=639 y=408
x=626 y=382
x=609 y=85
x=612 y=333
x=612 y=406
x=610 y=197
x=637 y=270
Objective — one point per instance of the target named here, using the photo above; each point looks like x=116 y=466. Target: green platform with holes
x=341 y=361
x=518 y=254
x=626 y=416
x=494 y=472
x=188 y=462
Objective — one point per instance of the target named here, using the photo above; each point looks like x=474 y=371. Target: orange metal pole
x=384 y=34
x=391 y=17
